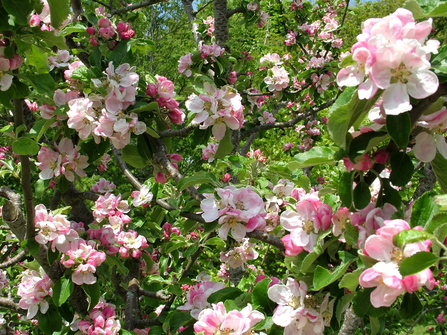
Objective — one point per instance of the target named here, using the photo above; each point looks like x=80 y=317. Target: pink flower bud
x=151 y=90
x=112 y=45
x=226 y=177
x=176 y=116
x=160 y=178
x=34 y=20
x=380 y=156
x=93 y=41
x=104 y=23
x=4 y=64
x=106 y=32
x=91 y=31
x=122 y=27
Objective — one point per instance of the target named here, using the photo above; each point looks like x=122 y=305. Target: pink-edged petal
x=396 y=99
x=425 y=147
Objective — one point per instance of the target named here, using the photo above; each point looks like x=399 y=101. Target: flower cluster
x=385 y=275
x=7 y=64
x=197 y=296
x=107 y=33
x=33 y=289
x=66 y=160
x=209 y=151
x=142 y=197
x=103 y=186
x=163 y=92
x=216 y=320
x=103 y=116
x=238 y=256
x=220 y=108
x=297 y=311
x=239 y=210
x=209 y=52
x=102 y=321
x=83 y=258
x=4 y=280
x=391 y=54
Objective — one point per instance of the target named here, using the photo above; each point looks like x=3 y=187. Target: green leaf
x=228 y=293
x=315 y=156
x=351 y=280
x=362 y=304
x=175 y=320
x=351 y=233
x=260 y=299
x=423 y=210
x=438 y=164
x=399 y=128
x=122 y=53
x=59 y=10
x=425 y=9
x=437 y=221
x=39 y=59
x=362 y=195
x=49 y=38
x=345 y=188
x=388 y=194
x=364 y=142
x=94 y=293
x=40 y=127
x=95 y=151
x=347 y=111
x=375 y=325
x=225 y=146
x=76 y=27
x=308 y=261
x=25 y=146
x=216 y=241
x=132 y=157
x=20 y=9
x=198 y=179
x=410 y=307
x=43 y=83
x=53 y=256
x=174 y=245
x=323 y=277
x=32 y=246
x=84 y=74
x=51 y=321
x=410 y=236
x=417 y=263
x=20 y=90
x=401 y=169
x=62 y=289
x=6 y=97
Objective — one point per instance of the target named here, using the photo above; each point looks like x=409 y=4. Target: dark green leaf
x=20 y=90
x=260 y=299
x=95 y=151
x=351 y=233
x=423 y=210
x=225 y=146
x=388 y=194
x=399 y=128
x=25 y=146
x=364 y=142
x=345 y=188
x=32 y=246
x=6 y=97
x=51 y=321
x=20 y=9
x=362 y=304
x=63 y=184
x=410 y=307
x=362 y=195
x=49 y=37
x=401 y=169
x=59 y=10
x=121 y=54
x=53 y=256
x=438 y=164
x=175 y=320
x=73 y=28
x=417 y=263
x=62 y=289
x=94 y=293
x=229 y=293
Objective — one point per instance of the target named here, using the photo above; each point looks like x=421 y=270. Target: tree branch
x=236 y=10
x=267 y=238
x=183 y=132
x=8 y=303
x=14 y=260
x=129 y=8
x=187 y=5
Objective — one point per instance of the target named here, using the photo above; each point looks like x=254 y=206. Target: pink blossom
x=185 y=63
x=142 y=197
x=209 y=152
x=103 y=186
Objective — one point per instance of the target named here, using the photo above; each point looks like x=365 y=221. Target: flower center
x=401 y=73
x=308 y=226
x=294 y=302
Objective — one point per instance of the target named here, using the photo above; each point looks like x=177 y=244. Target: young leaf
x=399 y=128
x=417 y=263
x=324 y=277
x=198 y=179
x=437 y=221
x=230 y=293
x=62 y=290
x=410 y=236
x=25 y=146
x=225 y=146
x=313 y=157
x=438 y=164
x=423 y=210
